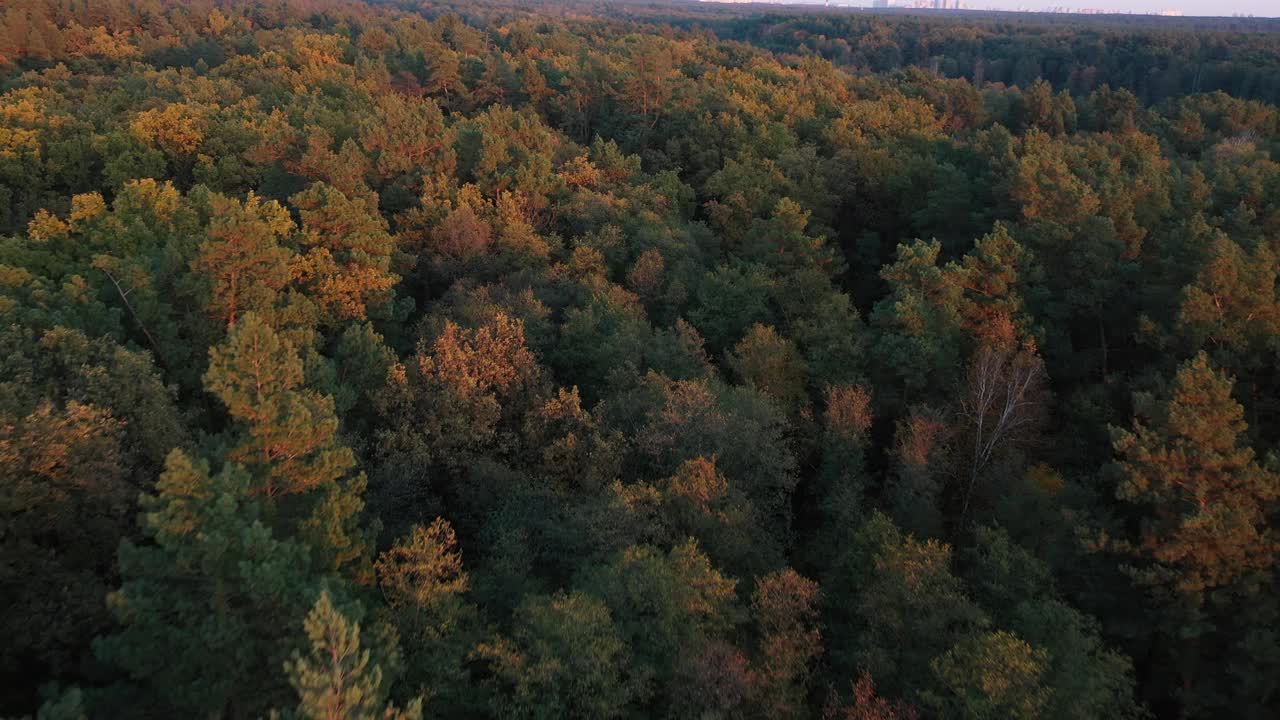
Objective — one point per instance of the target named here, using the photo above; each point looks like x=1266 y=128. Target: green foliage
x=67 y=496
x=992 y=675
x=1205 y=496
x=242 y=266
x=668 y=309
x=208 y=605
x=664 y=604
x=565 y=659
x=424 y=585
x=335 y=678
x=288 y=431
x=902 y=606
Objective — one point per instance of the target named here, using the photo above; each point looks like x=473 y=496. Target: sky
x=1264 y=8
x=1260 y=8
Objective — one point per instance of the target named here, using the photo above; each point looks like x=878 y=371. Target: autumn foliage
x=371 y=359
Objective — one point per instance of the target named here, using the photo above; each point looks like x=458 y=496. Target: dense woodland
x=560 y=360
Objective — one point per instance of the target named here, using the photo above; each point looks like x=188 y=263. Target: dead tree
x=999 y=404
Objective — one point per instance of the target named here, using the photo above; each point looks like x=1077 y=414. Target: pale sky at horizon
x=1262 y=8
x=1215 y=8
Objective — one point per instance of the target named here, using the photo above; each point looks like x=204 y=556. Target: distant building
x=920 y=4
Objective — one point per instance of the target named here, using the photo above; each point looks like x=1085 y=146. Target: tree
x=992 y=675
x=566 y=660
x=938 y=311
x=699 y=501
x=771 y=364
x=345 y=169
x=599 y=341
x=66 y=495
x=568 y=446
x=1202 y=495
x=347 y=264
x=208 y=605
x=841 y=484
x=781 y=243
x=451 y=399
x=62 y=366
x=865 y=704
x=424 y=586
x=999 y=405
x=241 y=266
x=920 y=470
x=461 y=243
x=443 y=74
x=900 y=607
x=1231 y=308
x=1204 y=548
x=335 y=679
x=730 y=300
x=664 y=604
x=1087 y=679
x=716 y=682
x=287 y=433
x=175 y=128
x=784 y=606
x=671 y=422
x=919 y=325
x=407 y=136
x=648 y=86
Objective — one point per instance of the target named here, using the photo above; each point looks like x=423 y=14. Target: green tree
x=208 y=605
x=663 y=604
x=730 y=300
x=66 y=495
x=566 y=659
x=771 y=364
x=784 y=606
x=407 y=136
x=287 y=432
x=901 y=606
x=346 y=268
x=992 y=675
x=1202 y=495
x=1087 y=679
x=424 y=586
x=1204 y=548
x=286 y=435
x=242 y=267
x=335 y=679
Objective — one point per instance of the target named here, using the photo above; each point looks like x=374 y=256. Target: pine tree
x=286 y=435
x=408 y=136
x=208 y=605
x=242 y=265
x=347 y=266
x=1204 y=498
x=424 y=585
x=1205 y=552
x=335 y=679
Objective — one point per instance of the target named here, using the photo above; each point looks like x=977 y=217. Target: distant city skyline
x=1212 y=8
x=1207 y=8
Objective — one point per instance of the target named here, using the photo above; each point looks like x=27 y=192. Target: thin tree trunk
x=133 y=313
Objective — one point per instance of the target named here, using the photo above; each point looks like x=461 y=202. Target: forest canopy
x=613 y=360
